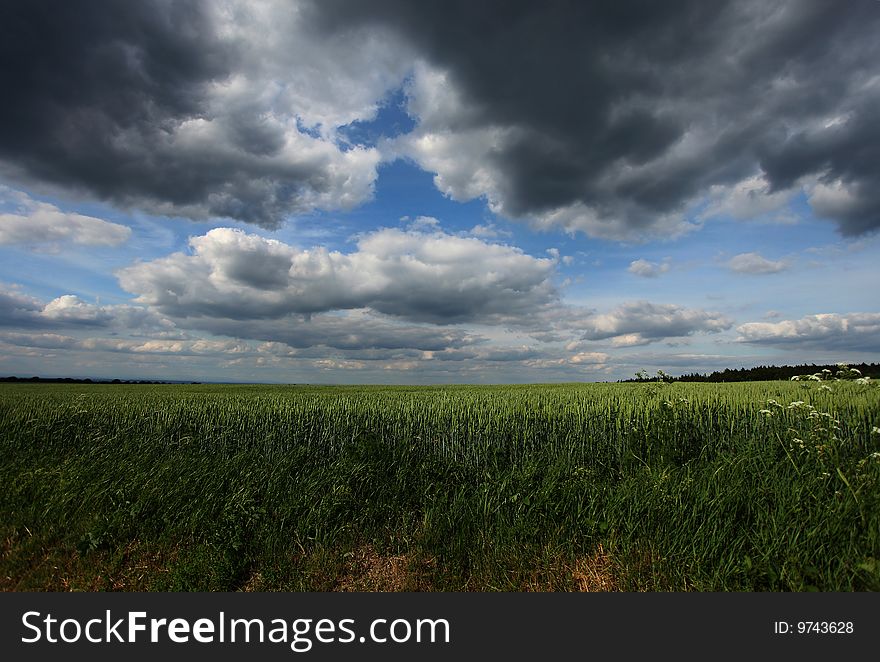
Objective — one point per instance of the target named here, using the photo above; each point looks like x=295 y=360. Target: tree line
x=758 y=374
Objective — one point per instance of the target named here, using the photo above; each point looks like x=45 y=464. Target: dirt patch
x=595 y=573
x=588 y=574
x=367 y=570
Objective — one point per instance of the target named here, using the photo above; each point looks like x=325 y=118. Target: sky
x=444 y=191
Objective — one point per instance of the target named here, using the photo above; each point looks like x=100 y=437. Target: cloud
x=489 y=231
x=193 y=109
x=619 y=120
x=72 y=309
x=423 y=224
x=17 y=309
x=416 y=276
x=754 y=263
x=353 y=330
x=589 y=358
x=852 y=203
x=829 y=331
x=43 y=223
x=522 y=353
x=125 y=327
x=751 y=198
x=122 y=345
x=398 y=290
x=647 y=269
x=70 y=312
x=39 y=340
x=641 y=322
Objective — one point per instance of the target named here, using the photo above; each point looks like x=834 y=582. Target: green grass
x=641 y=486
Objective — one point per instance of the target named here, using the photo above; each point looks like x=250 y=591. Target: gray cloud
x=755 y=263
x=830 y=331
x=140 y=329
x=356 y=330
x=613 y=118
x=70 y=312
x=19 y=310
x=842 y=152
x=749 y=199
x=422 y=277
x=189 y=108
x=641 y=322
x=126 y=345
x=39 y=223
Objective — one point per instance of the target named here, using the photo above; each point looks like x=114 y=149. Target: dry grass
x=254 y=584
x=585 y=574
x=135 y=568
x=593 y=574
x=364 y=569
x=367 y=570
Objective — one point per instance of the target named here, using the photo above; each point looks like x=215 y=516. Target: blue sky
x=374 y=204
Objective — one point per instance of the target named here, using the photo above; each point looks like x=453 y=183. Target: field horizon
x=753 y=374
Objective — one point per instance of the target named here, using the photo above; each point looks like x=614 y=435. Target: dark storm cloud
x=136 y=103
x=609 y=118
x=847 y=156
x=614 y=114
x=79 y=76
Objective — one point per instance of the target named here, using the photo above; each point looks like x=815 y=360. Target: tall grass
x=686 y=486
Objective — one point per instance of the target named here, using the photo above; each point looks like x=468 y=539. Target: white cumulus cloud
x=647 y=269
x=423 y=277
x=41 y=223
x=755 y=263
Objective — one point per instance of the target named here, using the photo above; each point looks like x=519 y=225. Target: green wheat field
x=633 y=486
